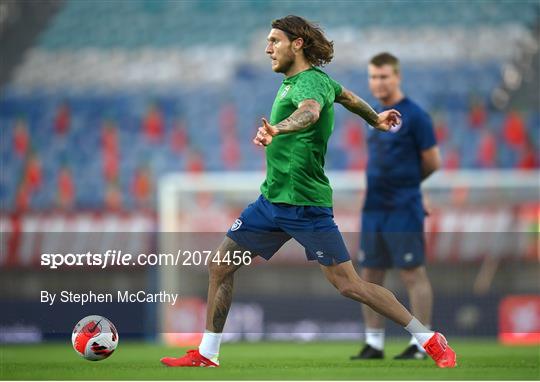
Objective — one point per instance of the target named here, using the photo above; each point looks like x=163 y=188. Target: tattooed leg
x=220 y=287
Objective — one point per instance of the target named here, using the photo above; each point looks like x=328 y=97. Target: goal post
x=195 y=210
x=177 y=191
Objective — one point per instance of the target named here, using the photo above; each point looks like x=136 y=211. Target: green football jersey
x=295 y=161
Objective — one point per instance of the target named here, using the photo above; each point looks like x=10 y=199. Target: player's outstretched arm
x=383 y=121
x=306 y=115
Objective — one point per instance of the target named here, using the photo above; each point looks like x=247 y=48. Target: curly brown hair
x=318 y=50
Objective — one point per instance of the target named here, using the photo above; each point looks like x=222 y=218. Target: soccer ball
x=94 y=338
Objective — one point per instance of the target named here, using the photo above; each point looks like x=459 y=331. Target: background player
x=296 y=196
x=393 y=213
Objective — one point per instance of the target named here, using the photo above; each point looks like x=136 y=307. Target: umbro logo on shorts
x=237 y=223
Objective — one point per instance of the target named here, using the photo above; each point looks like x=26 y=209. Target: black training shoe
x=411 y=352
x=368 y=352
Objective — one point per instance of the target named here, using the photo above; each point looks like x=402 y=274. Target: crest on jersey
x=237 y=223
x=285 y=91
x=395 y=128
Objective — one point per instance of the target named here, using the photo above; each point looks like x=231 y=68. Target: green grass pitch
x=477 y=360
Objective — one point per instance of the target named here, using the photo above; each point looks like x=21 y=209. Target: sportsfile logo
x=112 y=258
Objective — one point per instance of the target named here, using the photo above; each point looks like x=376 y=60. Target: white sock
x=414 y=341
x=209 y=346
x=419 y=331
x=375 y=338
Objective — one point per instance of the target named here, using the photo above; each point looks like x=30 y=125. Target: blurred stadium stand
x=101 y=99
x=20 y=24
x=115 y=94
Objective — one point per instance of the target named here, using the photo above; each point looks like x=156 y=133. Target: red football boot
x=192 y=359
x=437 y=348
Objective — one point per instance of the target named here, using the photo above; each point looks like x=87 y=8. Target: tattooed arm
x=383 y=121
x=306 y=115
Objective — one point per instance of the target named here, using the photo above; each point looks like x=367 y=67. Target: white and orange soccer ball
x=94 y=338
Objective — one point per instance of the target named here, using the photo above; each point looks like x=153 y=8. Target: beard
x=285 y=62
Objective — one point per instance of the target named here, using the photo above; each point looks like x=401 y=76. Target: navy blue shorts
x=263 y=227
x=392 y=239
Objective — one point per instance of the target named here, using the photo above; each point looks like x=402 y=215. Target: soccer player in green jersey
x=296 y=197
